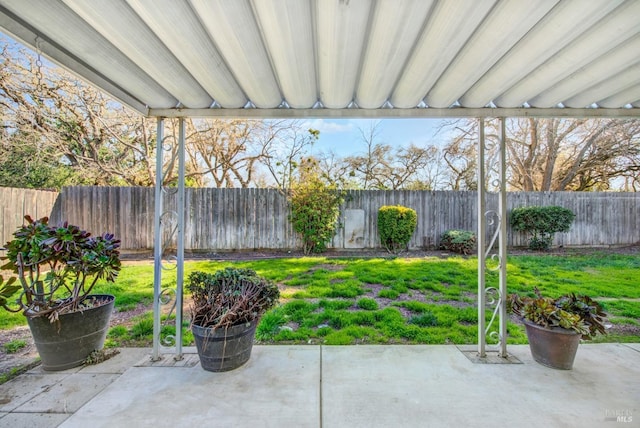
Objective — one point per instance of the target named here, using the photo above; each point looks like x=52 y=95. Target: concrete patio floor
x=333 y=386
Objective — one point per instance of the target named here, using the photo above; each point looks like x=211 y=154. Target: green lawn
x=395 y=300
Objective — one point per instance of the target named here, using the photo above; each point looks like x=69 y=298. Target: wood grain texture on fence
x=16 y=203
x=127 y=212
x=255 y=219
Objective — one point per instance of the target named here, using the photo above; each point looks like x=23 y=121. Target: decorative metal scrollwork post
x=168 y=229
x=492 y=297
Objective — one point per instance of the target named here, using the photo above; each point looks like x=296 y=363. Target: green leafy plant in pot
x=56 y=268
x=226 y=308
x=555 y=326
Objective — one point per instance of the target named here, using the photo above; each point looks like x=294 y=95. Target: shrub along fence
x=254 y=219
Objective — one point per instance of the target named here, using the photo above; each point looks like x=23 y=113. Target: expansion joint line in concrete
x=320 y=386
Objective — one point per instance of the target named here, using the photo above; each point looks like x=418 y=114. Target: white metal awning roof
x=329 y=58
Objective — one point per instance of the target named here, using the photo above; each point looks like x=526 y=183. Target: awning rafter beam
x=392 y=113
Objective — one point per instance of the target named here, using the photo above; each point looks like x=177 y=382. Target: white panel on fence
x=353 y=228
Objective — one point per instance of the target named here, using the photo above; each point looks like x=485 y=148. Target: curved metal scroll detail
x=169 y=219
x=493 y=296
x=491 y=144
x=168 y=297
x=168 y=237
x=493 y=219
x=494 y=301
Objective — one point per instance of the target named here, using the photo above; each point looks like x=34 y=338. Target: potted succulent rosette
x=556 y=326
x=56 y=269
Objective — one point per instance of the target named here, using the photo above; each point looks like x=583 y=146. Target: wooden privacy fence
x=16 y=203
x=253 y=219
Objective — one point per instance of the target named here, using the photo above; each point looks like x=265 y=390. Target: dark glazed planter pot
x=224 y=349
x=555 y=348
x=69 y=341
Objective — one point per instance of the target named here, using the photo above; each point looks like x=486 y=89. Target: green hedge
x=541 y=223
x=396 y=225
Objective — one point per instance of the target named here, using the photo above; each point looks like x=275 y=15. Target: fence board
x=255 y=219
x=16 y=203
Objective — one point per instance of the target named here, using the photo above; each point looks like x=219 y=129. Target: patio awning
x=329 y=58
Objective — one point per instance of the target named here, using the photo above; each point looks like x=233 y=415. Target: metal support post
x=492 y=296
x=157 y=242
x=481 y=242
x=502 y=212
x=181 y=233
x=172 y=222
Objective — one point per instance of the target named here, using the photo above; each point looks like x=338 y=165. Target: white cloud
x=327 y=127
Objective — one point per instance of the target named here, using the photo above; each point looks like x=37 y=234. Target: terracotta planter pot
x=67 y=343
x=555 y=348
x=224 y=349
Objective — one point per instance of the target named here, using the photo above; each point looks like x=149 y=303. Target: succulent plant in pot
x=56 y=269
x=556 y=326
x=225 y=310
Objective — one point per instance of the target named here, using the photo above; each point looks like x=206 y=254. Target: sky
x=342 y=136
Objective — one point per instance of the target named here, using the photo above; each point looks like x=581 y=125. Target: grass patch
x=270 y=324
x=143 y=328
x=388 y=294
x=324 y=299
x=598 y=275
x=10 y=320
x=336 y=304
x=17 y=371
x=424 y=320
x=338 y=338
x=623 y=308
x=623 y=320
x=140 y=333
x=367 y=304
x=14 y=346
x=615 y=338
